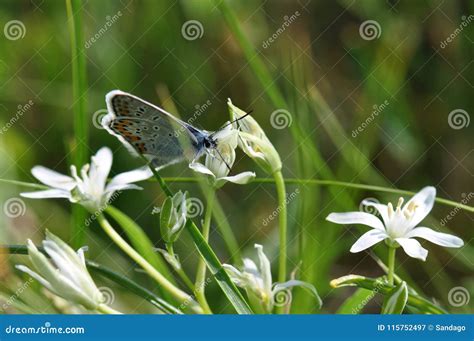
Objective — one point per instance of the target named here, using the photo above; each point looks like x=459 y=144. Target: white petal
x=36 y=276
x=235 y=275
x=412 y=248
x=53 y=178
x=119 y=187
x=100 y=167
x=424 y=200
x=381 y=208
x=265 y=269
x=49 y=193
x=367 y=240
x=200 y=168
x=241 y=178
x=135 y=175
x=356 y=218
x=443 y=239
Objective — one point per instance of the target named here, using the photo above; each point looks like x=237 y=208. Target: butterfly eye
x=156 y=128
x=207 y=144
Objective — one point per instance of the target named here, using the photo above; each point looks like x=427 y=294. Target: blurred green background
x=325 y=70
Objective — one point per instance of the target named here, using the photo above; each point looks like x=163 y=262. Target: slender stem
x=282 y=219
x=180 y=295
x=391 y=263
x=105 y=309
x=317 y=182
x=201 y=270
x=184 y=277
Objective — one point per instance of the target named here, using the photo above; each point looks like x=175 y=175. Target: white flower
x=253 y=140
x=173 y=215
x=399 y=226
x=66 y=274
x=220 y=159
x=90 y=189
x=257 y=281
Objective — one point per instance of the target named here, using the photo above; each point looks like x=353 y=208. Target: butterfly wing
x=150 y=130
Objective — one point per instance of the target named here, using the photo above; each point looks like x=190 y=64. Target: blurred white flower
x=257 y=281
x=90 y=189
x=66 y=274
x=253 y=140
x=399 y=225
x=220 y=159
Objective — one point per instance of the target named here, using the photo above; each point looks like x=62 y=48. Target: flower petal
x=363 y=218
x=265 y=269
x=241 y=178
x=200 y=168
x=381 y=208
x=135 y=175
x=443 y=239
x=412 y=248
x=52 y=178
x=100 y=167
x=49 y=193
x=367 y=240
x=424 y=201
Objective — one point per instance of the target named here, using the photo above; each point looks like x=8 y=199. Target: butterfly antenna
x=236 y=120
x=222 y=158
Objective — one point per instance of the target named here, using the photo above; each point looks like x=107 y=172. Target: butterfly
x=156 y=134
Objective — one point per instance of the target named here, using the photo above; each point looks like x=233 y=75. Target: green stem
x=105 y=309
x=79 y=105
x=391 y=264
x=282 y=219
x=180 y=295
x=201 y=270
x=184 y=277
x=316 y=182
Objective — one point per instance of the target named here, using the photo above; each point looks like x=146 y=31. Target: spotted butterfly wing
x=150 y=130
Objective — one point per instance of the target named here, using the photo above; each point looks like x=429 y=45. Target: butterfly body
x=151 y=131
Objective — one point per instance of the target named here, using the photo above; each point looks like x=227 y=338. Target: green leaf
x=217 y=270
x=381 y=286
x=355 y=303
x=396 y=300
x=140 y=241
